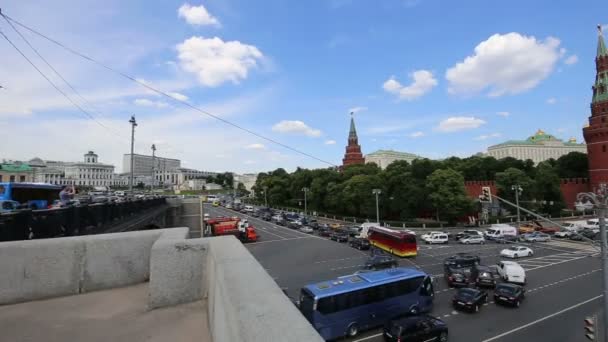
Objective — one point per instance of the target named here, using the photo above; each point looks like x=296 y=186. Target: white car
x=516 y=252
x=437 y=238
x=472 y=239
x=429 y=234
x=511 y=272
x=306 y=229
x=563 y=234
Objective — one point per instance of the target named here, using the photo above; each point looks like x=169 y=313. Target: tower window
x=603 y=148
x=603 y=119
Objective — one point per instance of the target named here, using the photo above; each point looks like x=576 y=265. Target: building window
x=22 y=179
x=12 y=179
x=603 y=119
x=603 y=148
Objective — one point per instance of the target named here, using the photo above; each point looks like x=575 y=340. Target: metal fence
x=70 y=221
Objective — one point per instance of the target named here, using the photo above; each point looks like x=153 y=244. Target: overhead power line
x=160 y=92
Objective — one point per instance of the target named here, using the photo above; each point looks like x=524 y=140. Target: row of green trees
x=431 y=188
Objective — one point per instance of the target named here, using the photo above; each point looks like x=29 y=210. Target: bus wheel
x=353 y=330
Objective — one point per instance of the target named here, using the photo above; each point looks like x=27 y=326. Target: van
x=437 y=238
x=501 y=233
x=573 y=226
x=248 y=209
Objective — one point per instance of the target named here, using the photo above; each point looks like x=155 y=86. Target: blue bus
x=349 y=304
x=34 y=195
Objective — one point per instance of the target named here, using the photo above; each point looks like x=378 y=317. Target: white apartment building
x=89 y=172
x=142 y=164
x=384 y=158
x=538 y=148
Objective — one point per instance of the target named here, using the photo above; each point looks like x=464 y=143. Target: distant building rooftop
x=540 y=138
x=15 y=167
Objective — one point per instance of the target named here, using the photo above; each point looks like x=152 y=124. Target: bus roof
x=31 y=185
x=392 y=232
x=362 y=280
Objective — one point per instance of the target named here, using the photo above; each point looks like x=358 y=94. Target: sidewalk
x=111 y=315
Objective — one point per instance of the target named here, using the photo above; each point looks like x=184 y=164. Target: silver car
x=537 y=237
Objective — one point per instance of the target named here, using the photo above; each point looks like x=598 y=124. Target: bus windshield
x=34 y=195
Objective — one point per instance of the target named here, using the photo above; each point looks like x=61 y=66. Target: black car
x=469 y=299
x=461 y=260
x=379 y=262
x=266 y=216
x=415 y=328
x=313 y=224
x=293 y=225
x=324 y=231
x=484 y=275
x=510 y=294
x=360 y=244
x=339 y=236
x=458 y=276
x=353 y=231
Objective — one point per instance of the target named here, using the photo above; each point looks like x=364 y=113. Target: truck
x=501 y=233
x=241 y=229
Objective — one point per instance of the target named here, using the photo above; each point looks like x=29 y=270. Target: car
x=516 y=252
x=339 y=236
x=324 y=231
x=293 y=225
x=563 y=234
x=335 y=225
x=464 y=233
x=415 y=328
x=510 y=294
x=536 y=237
x=437 y=239
x=511 y=272
x=429 y=234
x=469 y=299
x=458 y=276
x=472 y=239
x=313 y=224
x=485 y=275
x=206 y=216
x=266 y=216
x=461 y=260
x=359 y=243
x=229 y=206
x=353 y=231
x=576 y=237
x=307 y=230
x=380 y=262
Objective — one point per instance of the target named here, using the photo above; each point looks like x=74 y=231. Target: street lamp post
x=377 y=192
x=305 y=189
x=153 y=169
x=599 y=201
x=133 y=125
x=517 y=190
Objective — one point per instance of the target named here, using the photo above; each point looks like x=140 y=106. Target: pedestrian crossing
x=553 y=259
x=574 y=245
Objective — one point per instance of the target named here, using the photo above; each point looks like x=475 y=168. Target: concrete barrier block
x=176 y=271
x=37 y=269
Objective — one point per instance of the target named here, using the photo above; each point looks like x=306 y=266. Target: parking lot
x=563 y=282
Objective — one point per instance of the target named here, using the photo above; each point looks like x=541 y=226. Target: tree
x=357 y=195
x=546 y=188
x=510 y=177
x=448 y=195
x=573 y=165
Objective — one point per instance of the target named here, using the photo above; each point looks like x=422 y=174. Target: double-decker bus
x=393 y=241
x=34 y=195
x=350 y=304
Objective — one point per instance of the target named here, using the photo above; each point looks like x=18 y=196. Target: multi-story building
x=143 y=165
x=17 y=172
x=539 y=147
x=180 y=175
x=89 y=172
x=384 y=158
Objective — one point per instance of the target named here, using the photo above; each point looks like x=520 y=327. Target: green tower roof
x=353 y=130
x=601 y=46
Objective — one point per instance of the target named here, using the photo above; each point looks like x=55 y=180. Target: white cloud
x=488 y=136
x=330 y=142
x=178 y=96
x=417 y=134
x=551 y=100
x=503 y=114
x=197 y=15
x=504 y=64
x=561 y=130
x=150 y=103
x=459 y=123
x=296 y=127
x=573 y=59
x=249 y=162
x=255 y=147
x=215 y=61
x=423 y=82
x=357 y=109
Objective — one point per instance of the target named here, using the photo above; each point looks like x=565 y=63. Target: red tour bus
x=393 y=241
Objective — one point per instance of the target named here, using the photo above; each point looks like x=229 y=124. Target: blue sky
x=427 y=76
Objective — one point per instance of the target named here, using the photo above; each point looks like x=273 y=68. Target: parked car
x=536 y=237
x=509 y=294
x=472 y=239
x=339 y=236
x=306 y=229
x=458 y=276
x=379 y=262
x=469 y=299
x=469 y=232
x=415 y=328
x=516 y=252
x=359 y=243
x=511 y=272
x=485 y=275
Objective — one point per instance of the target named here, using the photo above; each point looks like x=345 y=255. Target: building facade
x=90 y=172
x=353 y=153
x=384 y=158
x=143 y=165
x=539 y=147
x=596 y=133
x=16 y=173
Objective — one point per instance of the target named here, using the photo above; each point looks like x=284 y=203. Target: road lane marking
x=542 y=319
x=268 y=241
x=368 y=337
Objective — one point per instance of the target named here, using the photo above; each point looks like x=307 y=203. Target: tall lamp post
x=599 y=200
x=133 y=125
x=305 y=189
x=377 y=192
x=153 y=169
x=517 y=190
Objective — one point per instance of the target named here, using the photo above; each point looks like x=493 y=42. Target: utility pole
x=518 y=190
x=266 y=196
x=377 y=192
x=305 y=189
x=153 y=168
x=133 y=125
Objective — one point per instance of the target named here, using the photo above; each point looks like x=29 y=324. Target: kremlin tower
x=353 y=150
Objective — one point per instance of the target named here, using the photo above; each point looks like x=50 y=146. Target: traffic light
x=590 y=328
x=486 y=194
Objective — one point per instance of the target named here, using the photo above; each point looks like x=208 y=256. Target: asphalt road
x=563 y=282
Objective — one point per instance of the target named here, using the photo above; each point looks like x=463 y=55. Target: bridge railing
x=70 y=221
